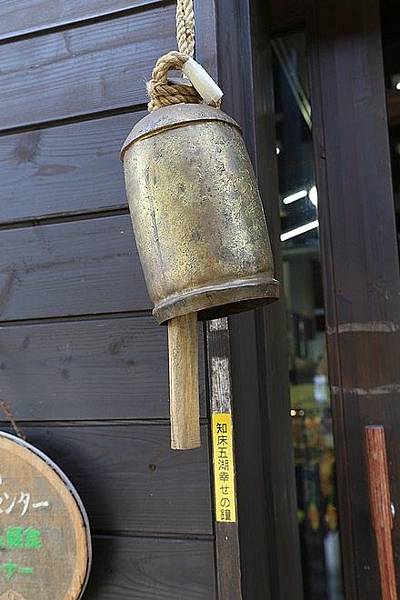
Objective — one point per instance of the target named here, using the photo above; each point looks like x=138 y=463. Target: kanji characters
x=33 y=538
x=16 y=538
x=224 y=468
x=222 y=428
x=11 y=569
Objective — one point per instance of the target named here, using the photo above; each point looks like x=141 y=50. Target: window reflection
x=309 y=389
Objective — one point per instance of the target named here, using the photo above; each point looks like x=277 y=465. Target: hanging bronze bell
x=201 y=234
x=197 y=215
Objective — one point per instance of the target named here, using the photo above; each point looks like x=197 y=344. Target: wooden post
x=226 y=531
x=381 y=508
x=184 y=382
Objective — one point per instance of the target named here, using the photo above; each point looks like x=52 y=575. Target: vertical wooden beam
x=271 y=331
x=226 y=533
x=268 y=529
x=267 y=523
x=206 y=35
x=360 y=261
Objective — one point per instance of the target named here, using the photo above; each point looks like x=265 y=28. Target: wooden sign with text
x=45 y=548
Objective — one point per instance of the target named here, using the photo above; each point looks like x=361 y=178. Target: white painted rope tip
x=203 y=83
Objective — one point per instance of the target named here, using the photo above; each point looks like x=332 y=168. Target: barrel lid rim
x=174 y=116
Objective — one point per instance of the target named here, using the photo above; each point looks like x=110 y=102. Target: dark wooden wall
x=82 y=363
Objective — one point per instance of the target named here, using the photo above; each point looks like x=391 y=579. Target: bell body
x=197 y=215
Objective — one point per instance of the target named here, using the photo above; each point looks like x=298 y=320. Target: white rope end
x=202 y=82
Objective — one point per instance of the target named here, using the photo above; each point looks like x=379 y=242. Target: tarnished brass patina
x=197 y=215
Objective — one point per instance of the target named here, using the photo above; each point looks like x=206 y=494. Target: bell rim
x=218 y=300
x=173 y=117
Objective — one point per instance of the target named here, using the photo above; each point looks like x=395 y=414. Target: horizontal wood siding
x=27 y=16
x=83 y=364
x=64 y=170
x=151 y=569
x=97 y=369
x=129 y=478
x=78 y=71
x=71 y=268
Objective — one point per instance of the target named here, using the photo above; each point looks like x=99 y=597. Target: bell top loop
x=163 y=92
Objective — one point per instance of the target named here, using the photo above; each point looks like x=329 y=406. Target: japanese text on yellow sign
x=224 y=475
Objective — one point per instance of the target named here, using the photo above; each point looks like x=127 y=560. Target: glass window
x=309 y=389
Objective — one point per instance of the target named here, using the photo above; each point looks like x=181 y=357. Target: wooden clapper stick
x=184 y=382
x=182 y=330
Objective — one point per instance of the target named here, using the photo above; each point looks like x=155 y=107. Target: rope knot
x=163 y=92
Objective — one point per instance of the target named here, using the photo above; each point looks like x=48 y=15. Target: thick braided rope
x=161 y=91
x=185 y=26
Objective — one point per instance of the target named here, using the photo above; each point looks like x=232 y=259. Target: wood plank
x=360 y=262
x=272 y=341
x=99 y=369
x=97 y=67
x=268 y=531
x=64 y=170
x=183 y=344
x=129 y=479
x=34 y=15
x=151 y=569
x=79 y=267
x=381 y=507
x=227 y=544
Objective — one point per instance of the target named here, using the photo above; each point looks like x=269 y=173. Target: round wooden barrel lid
x=45 y=547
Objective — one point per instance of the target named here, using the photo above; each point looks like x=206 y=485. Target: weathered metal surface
x=197 y=214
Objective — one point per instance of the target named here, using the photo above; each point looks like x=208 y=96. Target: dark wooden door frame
x=360 y=261
x=268 y=529
x=359 y=254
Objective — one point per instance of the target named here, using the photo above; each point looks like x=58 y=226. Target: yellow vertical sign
x=224 y=472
